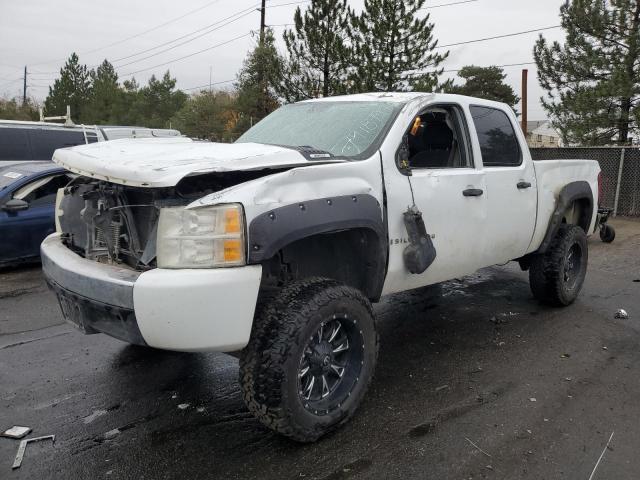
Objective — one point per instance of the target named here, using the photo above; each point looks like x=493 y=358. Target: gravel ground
x=475 y=380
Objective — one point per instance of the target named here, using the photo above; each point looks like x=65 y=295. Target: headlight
x=201 y=237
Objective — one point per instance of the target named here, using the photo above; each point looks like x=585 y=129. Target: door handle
x=472 y=192
x=522 y=185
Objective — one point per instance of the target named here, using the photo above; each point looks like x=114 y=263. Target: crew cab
x=276 y=245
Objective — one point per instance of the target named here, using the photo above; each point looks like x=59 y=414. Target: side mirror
x=402 y=156
x=15 y=205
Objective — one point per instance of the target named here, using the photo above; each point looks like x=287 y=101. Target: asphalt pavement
x=475 y=380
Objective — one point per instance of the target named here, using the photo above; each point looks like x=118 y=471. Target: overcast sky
x=42 y=33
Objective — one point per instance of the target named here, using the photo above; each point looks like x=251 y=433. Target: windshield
x=10 y=175
x=345 y=129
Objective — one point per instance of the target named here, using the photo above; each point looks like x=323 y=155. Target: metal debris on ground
x=532 y=399
x=601 y=455
x=16 y=432
x=183 y=406
x=477 y=447
x=622 y=314
x=442 y=387
x=23 y=446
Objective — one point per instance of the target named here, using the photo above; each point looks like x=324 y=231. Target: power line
x=207 y=85
x=183 y=43
x=448 y=4
x=244 y=12
x=189 y=55
x=139 y=34
x=498 y=36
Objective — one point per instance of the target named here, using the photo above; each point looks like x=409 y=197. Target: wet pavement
x=475 y=380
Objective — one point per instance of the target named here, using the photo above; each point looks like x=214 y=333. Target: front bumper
x=183 y=309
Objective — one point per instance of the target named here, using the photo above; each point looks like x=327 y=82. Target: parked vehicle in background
x=28 y=141
x=278 y=244
x=117 y=132
x=27 y=201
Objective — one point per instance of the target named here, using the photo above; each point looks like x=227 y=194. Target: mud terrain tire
x=314 y=328
x=556 y=276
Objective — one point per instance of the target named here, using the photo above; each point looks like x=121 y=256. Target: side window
x=42 y=191
x=14 y=144
x=44 y=142
x=436 y=139
x=498 y=141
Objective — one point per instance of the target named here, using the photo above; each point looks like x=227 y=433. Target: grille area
x=110 y=223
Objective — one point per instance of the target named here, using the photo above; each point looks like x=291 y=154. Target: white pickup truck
x=276 y=245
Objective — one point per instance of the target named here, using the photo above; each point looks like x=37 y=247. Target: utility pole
x=262 y=18
x=524 y=100
x=24 y=87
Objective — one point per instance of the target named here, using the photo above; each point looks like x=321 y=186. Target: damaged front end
x=110 y=223
x=117 y=224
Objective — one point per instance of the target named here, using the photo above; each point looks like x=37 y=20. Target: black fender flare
x=569 y=194
x=275 y=229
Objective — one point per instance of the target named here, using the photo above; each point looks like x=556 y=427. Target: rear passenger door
x=511 y=192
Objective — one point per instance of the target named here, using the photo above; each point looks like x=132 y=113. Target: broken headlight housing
x=202 y=237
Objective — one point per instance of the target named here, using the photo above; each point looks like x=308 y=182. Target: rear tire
x=556 y=277
x=310 y=359
x=607 y=233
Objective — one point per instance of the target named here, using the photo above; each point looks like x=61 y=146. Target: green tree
x=105 y=102
x=10 y=109
x=258 y=82
x=318 y=50
x=393 y=47
x=593 y=79
x=73 y=88
x=156 y=103
x=485 y=82
x=208 y=115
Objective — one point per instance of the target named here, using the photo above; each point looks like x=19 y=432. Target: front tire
x=556 y=277
x=310 y=359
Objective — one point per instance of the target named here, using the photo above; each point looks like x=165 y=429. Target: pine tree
x=485 y=82
x=158 y=101
x=593 y=79
x=318 y=51
x=394 y=47
x=106 y=100
x=73 y=88
x=207 y=115
x=257 y=82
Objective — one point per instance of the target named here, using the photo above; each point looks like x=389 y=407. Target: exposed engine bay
x=116 y=224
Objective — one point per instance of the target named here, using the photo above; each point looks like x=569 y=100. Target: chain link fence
x=620 y=180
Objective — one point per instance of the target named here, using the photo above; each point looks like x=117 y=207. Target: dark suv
x=38 y=140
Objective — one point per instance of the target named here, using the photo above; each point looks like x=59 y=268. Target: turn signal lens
x=232 y=251
x=232 y=221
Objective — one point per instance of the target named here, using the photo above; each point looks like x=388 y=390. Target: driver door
x=448 y=188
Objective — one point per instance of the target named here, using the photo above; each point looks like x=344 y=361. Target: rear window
x=498 y=141
x=14 y=144
x=45 y=142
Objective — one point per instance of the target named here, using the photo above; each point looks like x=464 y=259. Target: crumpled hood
x=163 y=162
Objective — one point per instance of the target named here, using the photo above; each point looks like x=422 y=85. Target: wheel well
x=579 y=213
x=575 y=206
x=355 y=257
